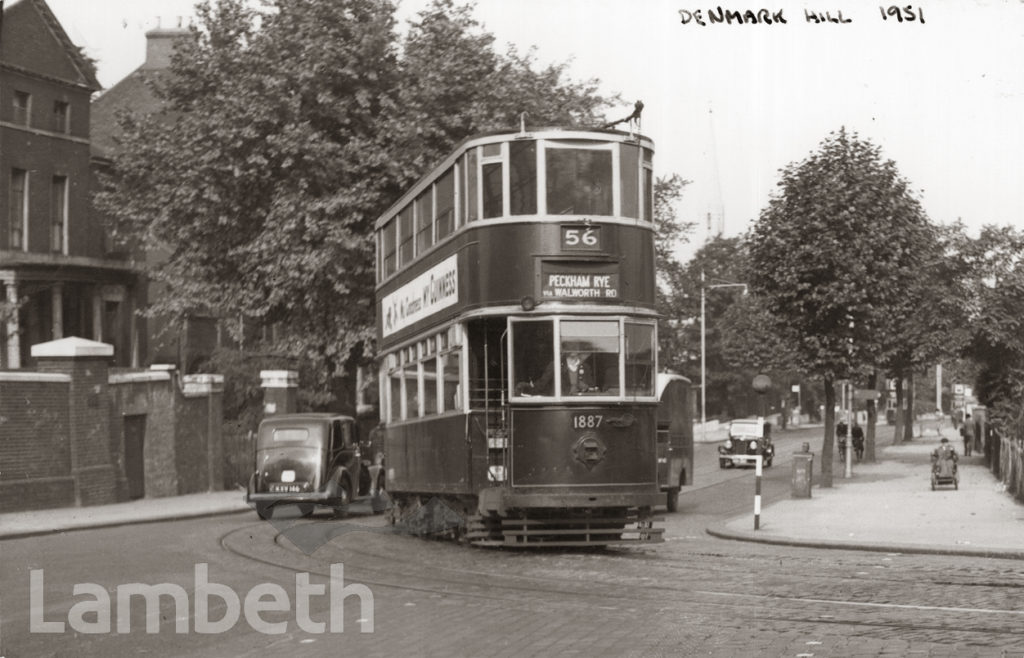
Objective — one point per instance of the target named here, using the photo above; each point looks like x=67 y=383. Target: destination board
x=583 y=281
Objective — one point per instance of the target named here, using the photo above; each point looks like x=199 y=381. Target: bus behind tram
x=517 y=340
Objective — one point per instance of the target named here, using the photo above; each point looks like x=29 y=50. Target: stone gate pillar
x=280 y=389
x=92 y=464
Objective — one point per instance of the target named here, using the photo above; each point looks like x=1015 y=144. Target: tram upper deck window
x=579 y=181
x=629 y=179
x=424 y=221
x=648 y=185
x=388 y=248
x=522 y=173
x=468 y=175
x=444 y=197
x=405 y=236
x=492 y=184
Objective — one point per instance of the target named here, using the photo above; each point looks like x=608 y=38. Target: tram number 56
x=583 y=237
x=586 y=421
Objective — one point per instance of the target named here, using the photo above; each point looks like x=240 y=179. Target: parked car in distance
x=748 y=436
x=310 y=459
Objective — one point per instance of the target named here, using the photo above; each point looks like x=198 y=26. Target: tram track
x=733 y=567
x=451 y=574
x=911 y=597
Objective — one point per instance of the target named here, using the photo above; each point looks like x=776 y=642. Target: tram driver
x=577 y=377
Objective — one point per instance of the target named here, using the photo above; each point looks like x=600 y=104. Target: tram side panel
x=434 y=456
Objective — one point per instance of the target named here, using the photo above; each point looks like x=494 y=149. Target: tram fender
x=491 y=499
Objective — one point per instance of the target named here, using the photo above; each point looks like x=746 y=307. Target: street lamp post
x=703 y=341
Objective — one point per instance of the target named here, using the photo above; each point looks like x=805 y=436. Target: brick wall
x=198 y=434
x=62 y=432
x=151 y=395
x=35 y=446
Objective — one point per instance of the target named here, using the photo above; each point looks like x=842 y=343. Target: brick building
x=188 y=343
x=60 y=275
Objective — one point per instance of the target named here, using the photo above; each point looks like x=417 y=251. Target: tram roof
x=550 y=132
x=665 y=378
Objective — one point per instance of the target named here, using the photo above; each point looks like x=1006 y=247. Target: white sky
x=729 y=105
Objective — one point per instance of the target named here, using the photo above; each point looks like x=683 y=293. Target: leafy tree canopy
x=833 y=253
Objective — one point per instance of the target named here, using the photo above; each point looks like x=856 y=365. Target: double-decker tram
x=517 y=334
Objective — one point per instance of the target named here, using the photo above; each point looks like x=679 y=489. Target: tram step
x=547 y=532
x=654 y=539
x=633 y=518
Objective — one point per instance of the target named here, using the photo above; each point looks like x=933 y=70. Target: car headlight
x=728 y=444
x=753 y=445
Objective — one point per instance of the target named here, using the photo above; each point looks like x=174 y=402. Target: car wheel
x=306 y=509
x=672 y=500
x=344 y=498
x=265 y=511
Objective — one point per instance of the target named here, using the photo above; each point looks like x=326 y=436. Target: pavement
x=16 y=525
x=889 y=506
x=886 y=506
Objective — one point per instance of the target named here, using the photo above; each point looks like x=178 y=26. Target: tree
x=997 y=311
x=286 y=132
x=672 y=293
x=931 y=324
x=720 y=260
x=833 y=252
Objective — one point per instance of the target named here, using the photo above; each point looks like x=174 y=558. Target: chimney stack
x=160 y=45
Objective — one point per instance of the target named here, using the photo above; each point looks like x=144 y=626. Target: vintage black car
x=310 y=459
x=749 y=436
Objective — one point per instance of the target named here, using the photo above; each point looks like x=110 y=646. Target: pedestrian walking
x=857 y=437
x=967 y=432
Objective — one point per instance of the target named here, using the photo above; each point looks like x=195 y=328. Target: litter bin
x=803 y=470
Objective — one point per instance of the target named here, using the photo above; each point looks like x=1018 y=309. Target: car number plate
x=285 y=488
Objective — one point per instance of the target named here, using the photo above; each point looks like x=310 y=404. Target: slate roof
x=17 y=37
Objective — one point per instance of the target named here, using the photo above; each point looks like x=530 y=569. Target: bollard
x=803 y=470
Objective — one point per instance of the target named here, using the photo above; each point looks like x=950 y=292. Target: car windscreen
x=745 y=429
x=309 y=436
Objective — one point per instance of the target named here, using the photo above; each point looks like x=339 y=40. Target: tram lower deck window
x=594 y=357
